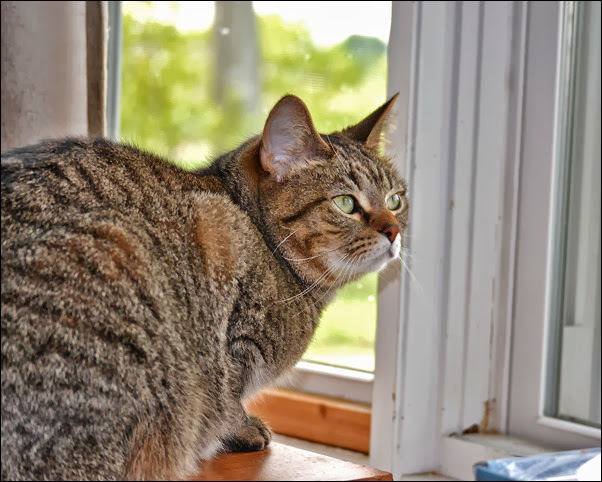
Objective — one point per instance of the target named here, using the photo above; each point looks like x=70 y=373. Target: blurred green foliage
x=167 y=107
x=347 y=331
x=167 y=75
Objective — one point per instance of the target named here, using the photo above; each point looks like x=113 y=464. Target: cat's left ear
x=369 y=130
x=290 y=139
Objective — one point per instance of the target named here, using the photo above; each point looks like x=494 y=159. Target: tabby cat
x=142 y=304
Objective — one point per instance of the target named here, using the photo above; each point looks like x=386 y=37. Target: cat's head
x=336 y=208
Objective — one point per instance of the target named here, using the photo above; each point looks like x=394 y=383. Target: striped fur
x=142 y=304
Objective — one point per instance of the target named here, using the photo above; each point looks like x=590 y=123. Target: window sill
x=344 y=424
x=570 y=427
x=460 y=452
x=326 y=420
x=342 y=383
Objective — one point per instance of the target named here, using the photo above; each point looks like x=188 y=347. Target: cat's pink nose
x=391 y=231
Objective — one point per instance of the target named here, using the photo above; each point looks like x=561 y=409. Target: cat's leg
x=252 y=436
x=249 y=369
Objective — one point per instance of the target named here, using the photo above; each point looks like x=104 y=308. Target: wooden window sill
x=320 y=419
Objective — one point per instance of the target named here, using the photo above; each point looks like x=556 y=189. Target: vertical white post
x=389 y=283
x=44 y=89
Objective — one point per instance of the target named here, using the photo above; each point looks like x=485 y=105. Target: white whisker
x=282 y=242
x=407 y=253
x=336 y=154
x=411 y=275
x=316 y=282
x=298 y=260
x=345 y=272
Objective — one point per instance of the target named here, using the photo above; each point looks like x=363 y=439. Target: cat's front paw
x=251 y=437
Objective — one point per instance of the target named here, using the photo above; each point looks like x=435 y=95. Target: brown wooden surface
x=282 y=462
x=316 y=418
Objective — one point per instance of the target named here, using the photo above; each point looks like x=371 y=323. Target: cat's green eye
x=394 y=202
x=345 y=203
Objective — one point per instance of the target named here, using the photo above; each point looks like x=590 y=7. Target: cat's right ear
x=289 y=139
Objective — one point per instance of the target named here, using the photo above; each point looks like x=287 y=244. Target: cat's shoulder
x=224 y=234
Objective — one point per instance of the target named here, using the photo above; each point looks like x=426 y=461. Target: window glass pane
x=198 y=78
x=574 y=382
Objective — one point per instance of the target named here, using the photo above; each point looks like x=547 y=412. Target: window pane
x=198 y=78
x=574 y=383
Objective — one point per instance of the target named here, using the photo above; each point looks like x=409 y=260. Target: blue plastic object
x=547 y=466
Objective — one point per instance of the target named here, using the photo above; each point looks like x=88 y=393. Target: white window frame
x=535 y=261
x=455 y=339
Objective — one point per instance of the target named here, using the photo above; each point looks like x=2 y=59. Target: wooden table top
x=282 y=462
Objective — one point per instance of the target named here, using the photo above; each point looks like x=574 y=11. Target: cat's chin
x=375 y=265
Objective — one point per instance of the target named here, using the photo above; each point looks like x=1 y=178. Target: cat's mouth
x=395 y=247
x=380 y=256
